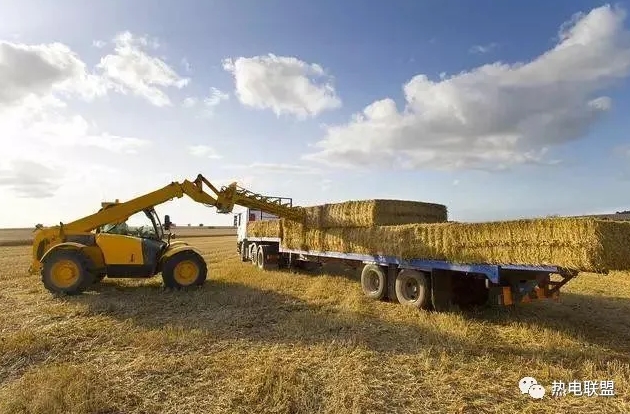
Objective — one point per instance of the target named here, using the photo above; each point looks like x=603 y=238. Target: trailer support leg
x=392 y=272
x=442 y=290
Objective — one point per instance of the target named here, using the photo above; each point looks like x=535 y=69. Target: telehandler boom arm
x=224 y=201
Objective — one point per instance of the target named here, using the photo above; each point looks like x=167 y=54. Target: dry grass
x=253 y=342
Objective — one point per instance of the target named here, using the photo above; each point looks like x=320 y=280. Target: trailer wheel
x=373 y=281
x=412 y=288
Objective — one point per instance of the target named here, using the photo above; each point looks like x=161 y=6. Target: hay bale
x=292 y=234
x=581 y=244
x=368 y=213
x=587 y=245
x=264 y=228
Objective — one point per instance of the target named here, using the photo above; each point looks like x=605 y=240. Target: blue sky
x=116 y=107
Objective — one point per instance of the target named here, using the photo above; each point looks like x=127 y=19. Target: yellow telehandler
x=70 y=257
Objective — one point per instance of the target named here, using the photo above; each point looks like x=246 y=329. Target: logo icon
x=529 y=385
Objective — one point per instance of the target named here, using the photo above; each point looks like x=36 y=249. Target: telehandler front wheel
x=67 y=272
x=183 y=270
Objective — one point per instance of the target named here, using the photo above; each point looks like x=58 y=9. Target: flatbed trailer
x=420 y=283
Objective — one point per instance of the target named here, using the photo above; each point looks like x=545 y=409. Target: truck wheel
x=412 y=288
x=253 y=253
x=243 y=252
x=67 y=272
x=263 y=262
x=184 y=269
x=373 y=281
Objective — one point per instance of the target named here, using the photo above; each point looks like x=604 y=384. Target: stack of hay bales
x=412 y=230
x=264 y=228
x=326 y=227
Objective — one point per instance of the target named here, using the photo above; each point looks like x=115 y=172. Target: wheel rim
x=186 y=272
x=373 y=282
x=411 y=289
x=64 y=273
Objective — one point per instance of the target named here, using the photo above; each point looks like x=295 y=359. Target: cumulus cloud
x=131 y=69
x=285 y=85
x=496 y=115
x=215 y=98
x=209 y=103
x=28 y=71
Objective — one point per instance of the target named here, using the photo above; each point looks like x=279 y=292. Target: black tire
x=243 y=252
x=374 y=281
x=67 y=271
x=253 y=254
x=263 y=262
x=412 y=289
x=184 y=269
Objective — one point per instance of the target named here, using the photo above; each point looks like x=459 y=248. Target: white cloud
x=28 y=71
x=203 y=151
x=480 y=49
x=209 y=103
x=190 y=102
x=286 y=85
x=99 y=44
x=132 y=69
x=215 y=98
x=496 y=115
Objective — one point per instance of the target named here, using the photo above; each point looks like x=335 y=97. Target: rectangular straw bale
x=292 y=234
x=368 y=213
x=264 y=228
x=581 y=244
x=576 y=243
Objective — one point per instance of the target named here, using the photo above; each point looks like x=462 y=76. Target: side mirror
x=167 y=222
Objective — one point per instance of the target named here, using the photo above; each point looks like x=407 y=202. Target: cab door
x=241 y=225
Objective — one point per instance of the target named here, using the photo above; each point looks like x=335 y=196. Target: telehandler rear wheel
x=67 y=272
x=184 y=269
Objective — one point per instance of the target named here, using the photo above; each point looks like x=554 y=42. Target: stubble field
x=250 y=342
